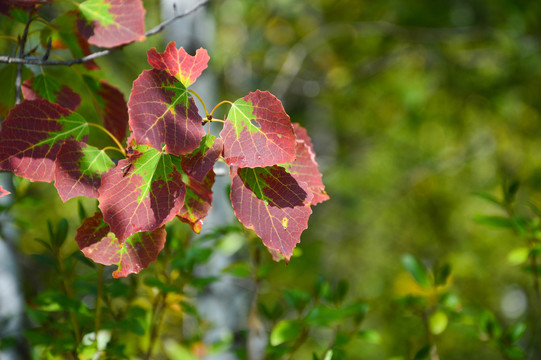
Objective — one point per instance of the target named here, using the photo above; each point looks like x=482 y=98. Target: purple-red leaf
x=198 y=163
x=273 y=203
x=141 y=193
x=46 y=87
x=113 y=22
x=133 y=255
x=258 y=132
x=161 y=112
x=3 y=192
x=304 y=168
x=33 y=133
x=79 y=168
x=197 y=202
x=179 y=63
x=111 y=105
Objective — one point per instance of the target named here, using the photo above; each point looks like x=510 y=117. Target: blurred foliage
x=425 y=118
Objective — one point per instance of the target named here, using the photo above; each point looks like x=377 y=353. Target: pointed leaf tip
x=178 y=63
x=3 y=192
x=258 y=132
x=133 y=255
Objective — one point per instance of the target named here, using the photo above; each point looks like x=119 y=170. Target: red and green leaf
x=98 y=243
x=178 y=63
x=3 y=192
x=305 y=168
x=273 y=203
x=258 y=132
x=111 y=105
x=46 y=87
x=113 y=22
x=162 y=112
x=79 y=169
x=199 y=162
x=198 y=201
x=141 y=193
x=32 y=135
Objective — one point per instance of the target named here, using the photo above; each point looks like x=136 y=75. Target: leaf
x=3 y=192
x=493 y=221
x=258 y=132
x=79 y=168
x=178 y=63
x=197 y=202
x=305 y=168
x=32 y=135
x=141 y=193
x=199 y=162
x=111 y=105
x=417 y=269
x=99 y=244
x=438 y=322
x=161 y=112
x=113 y=22
x=272 y=203
x=285 y=330
x=46 y=87
x=8 y=73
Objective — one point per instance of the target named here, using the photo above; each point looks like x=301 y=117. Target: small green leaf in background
x=442 y=274
x=438 y=322
x=370 y=336
x=238 y=269
x=515 y=332
x=423 y=353
x=284 y=331
x=417 y=269
x=518 y=255
x=494 y=221
x=489 y=326
x=297 y=299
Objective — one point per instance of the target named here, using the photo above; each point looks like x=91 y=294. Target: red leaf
x=3 y=192
x=46 y=87
x=161 y=112
x=141 y=193
x=179 y=63
x=304 y=168
x=258 y=132
x=133 y=255
x=79 y=168
x=32 y=135
x=198 y=163
x=114 y=22
x=197 y=202
x=111 y=105
x=272 y=203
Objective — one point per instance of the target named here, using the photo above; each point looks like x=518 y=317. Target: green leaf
x=285 y=330
x=297 y=299
x=423 y=353
x=438 y=322
x=494 y=221
x=370 y=336
x=442 y=274
x=518 y=255
x=417 y=269
x=515 y=332
x=238 y=269
x=489 y=198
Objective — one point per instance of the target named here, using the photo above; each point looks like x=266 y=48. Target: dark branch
x=22 y=44
x=153 y=31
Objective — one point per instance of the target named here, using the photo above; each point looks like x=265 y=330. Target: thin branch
x=22 y=44
x=151 y=32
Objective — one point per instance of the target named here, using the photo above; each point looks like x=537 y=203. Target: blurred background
x=424 y=114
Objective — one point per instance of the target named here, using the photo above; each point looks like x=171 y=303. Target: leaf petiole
x=218 y=105
x=193 y=92
x=120 y=148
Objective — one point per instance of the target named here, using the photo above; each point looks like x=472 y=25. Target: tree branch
x=22 y=44
x=155 y=30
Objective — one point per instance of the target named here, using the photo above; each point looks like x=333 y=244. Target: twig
x=22 y=44
x=151 y=32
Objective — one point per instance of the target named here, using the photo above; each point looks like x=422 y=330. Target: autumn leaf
x=98 y=243
x=141 y=193
x=79 y=168
x=162 y=112
x=46 y=87
x=305 y=168
x=197 y=202
x=199 y=162
x=273 y=203
x=113 y=22
x=178 y=63
x=32 y=135
x=258 y=132
x=111 y=105
x=3 y=192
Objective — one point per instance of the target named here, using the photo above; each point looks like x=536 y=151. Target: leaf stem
x=112 y=148
x=99 y=301
x=120 y=148
x=221 y=103
x=193 y=92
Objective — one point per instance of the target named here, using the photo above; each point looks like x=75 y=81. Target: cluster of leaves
x=167 y=171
